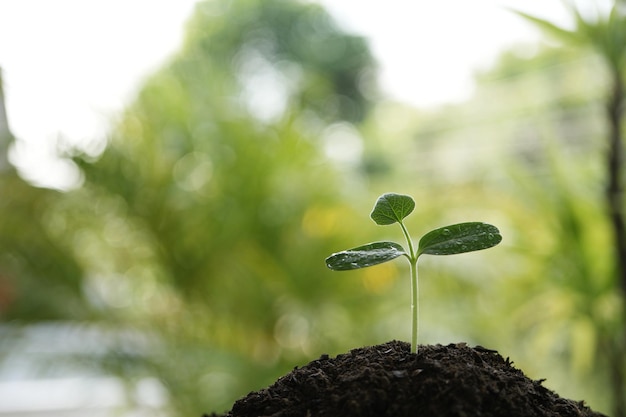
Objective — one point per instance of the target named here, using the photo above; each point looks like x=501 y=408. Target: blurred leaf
x=606 y=34
x=551 y=28
x=364 y=256
x=459 y=238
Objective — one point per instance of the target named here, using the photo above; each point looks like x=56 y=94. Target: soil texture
x=387 y=380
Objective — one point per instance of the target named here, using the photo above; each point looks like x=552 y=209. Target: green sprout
x=449 y=240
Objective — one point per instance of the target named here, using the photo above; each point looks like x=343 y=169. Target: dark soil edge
x=387 y=380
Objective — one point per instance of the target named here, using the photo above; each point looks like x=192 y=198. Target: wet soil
x=387 y=380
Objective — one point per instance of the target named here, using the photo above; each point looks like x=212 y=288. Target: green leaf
x=551 y=28
x=459 y=238
x=391 y=208
x=364 y=256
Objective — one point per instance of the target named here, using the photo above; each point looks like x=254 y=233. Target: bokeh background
x=171 y=259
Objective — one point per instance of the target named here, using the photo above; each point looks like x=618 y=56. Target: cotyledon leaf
x=459 y=238
x=364 y=256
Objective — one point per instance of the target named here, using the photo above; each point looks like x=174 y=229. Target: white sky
x=70 y=65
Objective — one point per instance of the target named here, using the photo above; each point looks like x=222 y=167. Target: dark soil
x=387 y=380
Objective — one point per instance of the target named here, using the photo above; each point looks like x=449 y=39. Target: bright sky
x=70 y=65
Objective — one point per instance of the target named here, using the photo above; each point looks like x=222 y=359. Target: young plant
x=393 y=208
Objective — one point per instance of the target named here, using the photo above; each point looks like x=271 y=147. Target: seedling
x=449 y=240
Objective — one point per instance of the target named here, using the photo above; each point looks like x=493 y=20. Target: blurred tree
x=206 y=219
x=39 y=278
x=606 y=35
x=41 y=282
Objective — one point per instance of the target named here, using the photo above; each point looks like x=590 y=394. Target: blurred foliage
x=29 y=255
x=194 y=250
x=605 y=36
x=207 y=218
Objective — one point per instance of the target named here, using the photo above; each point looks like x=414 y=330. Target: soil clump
x=387 y=380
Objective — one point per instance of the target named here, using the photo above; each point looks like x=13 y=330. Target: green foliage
x=393 y=208
x=39 y=278
x=363 y=256
x=606 y=35
x=277 y=45
x=449 y=240
x=200 y=227
x=459 y=238
x=217 y=191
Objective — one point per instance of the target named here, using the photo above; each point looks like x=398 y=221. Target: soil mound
x=387 y=380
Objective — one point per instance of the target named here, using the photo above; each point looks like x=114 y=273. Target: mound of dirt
x=387 y=380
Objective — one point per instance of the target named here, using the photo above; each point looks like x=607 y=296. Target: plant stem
x=414 y=290
x=409 y=242
x=414 y=305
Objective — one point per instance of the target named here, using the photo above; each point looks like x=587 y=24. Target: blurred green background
x=192 y=254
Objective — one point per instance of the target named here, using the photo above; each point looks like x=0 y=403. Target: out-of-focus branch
x=615 y=162
x=5 y=133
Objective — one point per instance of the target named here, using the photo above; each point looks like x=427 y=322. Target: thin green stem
x=408 y=241
x=414 y=305
x=414 y=290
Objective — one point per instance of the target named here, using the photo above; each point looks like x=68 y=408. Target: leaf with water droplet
x=459 y=238
x=392 y=208
x=364 y=256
